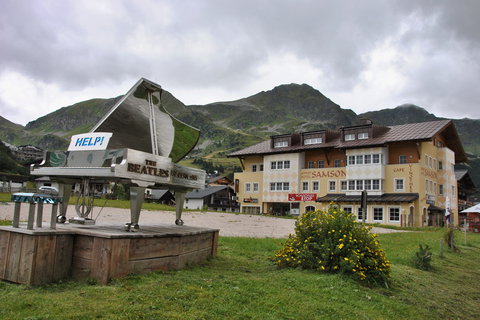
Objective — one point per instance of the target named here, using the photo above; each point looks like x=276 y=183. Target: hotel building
x=407 y=171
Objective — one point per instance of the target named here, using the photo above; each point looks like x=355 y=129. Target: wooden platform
x=102 y=252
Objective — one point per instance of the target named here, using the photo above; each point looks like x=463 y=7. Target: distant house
x=162 y=196
x=219 y=181
x=214 y=198
x=466 y=188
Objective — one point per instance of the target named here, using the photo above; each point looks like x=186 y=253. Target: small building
x=214 y=198
x=466 y=188
x=162 y=196
x=219 y=181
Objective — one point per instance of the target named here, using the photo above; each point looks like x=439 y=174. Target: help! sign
x=90 y=141
x=302 y=196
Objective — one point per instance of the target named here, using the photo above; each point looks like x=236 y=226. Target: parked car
x=48 y=189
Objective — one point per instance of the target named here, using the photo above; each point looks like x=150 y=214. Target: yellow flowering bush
x=333 y=241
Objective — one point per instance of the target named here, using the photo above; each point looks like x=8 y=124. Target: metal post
x=31 y=215
x=39 y=214
x=65 y=192
x=179 y=201
x=53 y=217
x=136 y=201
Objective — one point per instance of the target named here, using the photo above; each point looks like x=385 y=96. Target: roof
x=422 y=131
x=202 y=193
x=386 y=197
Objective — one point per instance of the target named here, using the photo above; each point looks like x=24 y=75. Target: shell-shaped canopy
x=140 y=121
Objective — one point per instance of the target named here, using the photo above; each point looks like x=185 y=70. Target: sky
x=363 y=55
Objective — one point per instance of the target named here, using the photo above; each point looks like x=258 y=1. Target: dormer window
x=280 y=144
x=362 y=135
x=350 y=137
x=312 y=141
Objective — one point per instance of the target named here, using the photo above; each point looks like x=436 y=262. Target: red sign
x=302 y=196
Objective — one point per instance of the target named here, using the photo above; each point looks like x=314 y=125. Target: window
x=337 y=163
x=402 y=159
x=440 y=165
x=261 y=167
x=368 y=159
x=247 y=187
x=315 y=186
x=359 y=184
x=310 y=164
x=394 y=214
x=279 y=165
x=368 y=184
x=309 y=208
x=312 y=141
x=375 y=184
x=399 y=185
x=359 y=159
x=279 y=186
x=376 y=158
x=440 y=189
x=362 y=135
x=347 y=209
x=321 y=164
x=304 y=186
x=351 y=160
x=378 y=214
x=343 y=185
x=255 y=187
x=254 y=168
x=280 y=144
x=332 y=186
x=360 y=214
x=350 y=137
x=351 y=184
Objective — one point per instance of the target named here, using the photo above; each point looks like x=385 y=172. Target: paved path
x=230 y=224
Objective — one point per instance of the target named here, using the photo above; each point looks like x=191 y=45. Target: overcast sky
x=364 y=55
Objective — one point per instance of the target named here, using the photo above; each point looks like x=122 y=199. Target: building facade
x=406 y=170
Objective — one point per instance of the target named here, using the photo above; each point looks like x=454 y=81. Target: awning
x=433 y=208
x=386 y=197
x=475 y=208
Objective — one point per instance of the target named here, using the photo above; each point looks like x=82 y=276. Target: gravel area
x=230 y=224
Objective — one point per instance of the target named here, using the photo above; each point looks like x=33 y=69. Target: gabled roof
x=423 y=131
x=202 y=193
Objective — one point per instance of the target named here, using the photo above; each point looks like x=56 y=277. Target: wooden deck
x=102 y=252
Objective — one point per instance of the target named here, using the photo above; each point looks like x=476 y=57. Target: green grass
x=241 y=283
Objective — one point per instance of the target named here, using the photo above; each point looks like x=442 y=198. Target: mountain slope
x=285 y=108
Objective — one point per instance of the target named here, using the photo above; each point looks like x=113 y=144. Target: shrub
x=423 y=258
x=334 y=242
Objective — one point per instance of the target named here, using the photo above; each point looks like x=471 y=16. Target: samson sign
x=302 y=197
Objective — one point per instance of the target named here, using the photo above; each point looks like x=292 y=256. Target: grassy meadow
x=242 y=283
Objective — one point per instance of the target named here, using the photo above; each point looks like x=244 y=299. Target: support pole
x=53 y=217
x=39 y=214
x=179 y=201
x=136 y=201
x=16 y=215
x=31 y=215
x=65 y=192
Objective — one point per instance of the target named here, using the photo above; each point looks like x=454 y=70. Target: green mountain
x=231 y=125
